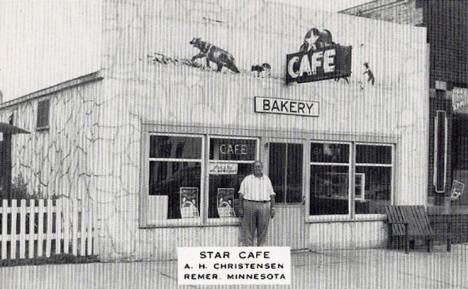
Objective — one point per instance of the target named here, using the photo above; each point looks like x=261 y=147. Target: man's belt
x=267 y=201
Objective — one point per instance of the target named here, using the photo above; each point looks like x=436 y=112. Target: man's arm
x=241 y=199
x=272 y=199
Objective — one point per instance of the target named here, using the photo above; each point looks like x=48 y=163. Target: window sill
x=346 y=218
x=195 y=222
x=183 y=223
x=230 y=221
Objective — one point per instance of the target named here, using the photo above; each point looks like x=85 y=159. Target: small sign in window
x=223 y=168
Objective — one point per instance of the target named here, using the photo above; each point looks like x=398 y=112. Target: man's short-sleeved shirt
x=256 y=189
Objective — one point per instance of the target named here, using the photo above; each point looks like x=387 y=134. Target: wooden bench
x=412 y=223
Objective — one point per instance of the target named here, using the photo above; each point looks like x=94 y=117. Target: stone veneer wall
x=59 y=160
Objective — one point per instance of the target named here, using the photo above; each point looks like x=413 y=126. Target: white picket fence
x=43 y=229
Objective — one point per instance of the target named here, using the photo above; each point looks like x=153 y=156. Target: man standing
x=257 y=200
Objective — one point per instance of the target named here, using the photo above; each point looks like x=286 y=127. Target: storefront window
x=176 y=173
x=373 y=178
x=230 y=162
x=329 y=178
x=330 y=172
x=174 y=177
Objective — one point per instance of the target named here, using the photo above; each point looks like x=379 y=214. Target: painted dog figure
x=263 y=69
x=214 y=54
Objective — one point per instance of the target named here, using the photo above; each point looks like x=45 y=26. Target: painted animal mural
x=314 y=40
x=368 y=72
x=262 y=70
x=212 y=53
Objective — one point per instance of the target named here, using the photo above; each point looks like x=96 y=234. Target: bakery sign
x=286 y=106
x=318 y=58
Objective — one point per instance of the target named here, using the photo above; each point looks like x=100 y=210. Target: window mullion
x=285 y=187
x=352 y=181
x=205 y=179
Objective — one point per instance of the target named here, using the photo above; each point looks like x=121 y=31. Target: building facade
x=191 y=93
x=446 y=29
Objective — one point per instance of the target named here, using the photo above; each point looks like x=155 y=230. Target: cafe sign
x=318 y=58
x=232 y=149
x=286 y=106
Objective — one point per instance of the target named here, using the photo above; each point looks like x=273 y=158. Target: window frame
x=145 y=221
x=310 y=217
x=262 y=135
x=352 y=164
x=392 y=182
x=204 y=161
x=438 y=115
x=227 y=220
x=43 y=127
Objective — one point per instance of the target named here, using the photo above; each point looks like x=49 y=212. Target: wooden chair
x=412 y=223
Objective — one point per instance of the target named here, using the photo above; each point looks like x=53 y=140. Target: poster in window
x=457 y=190
x=225 y=201
x=189 y=202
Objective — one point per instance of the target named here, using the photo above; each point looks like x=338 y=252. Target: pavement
x=365 y=268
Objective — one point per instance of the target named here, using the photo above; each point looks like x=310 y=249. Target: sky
x=45 y=42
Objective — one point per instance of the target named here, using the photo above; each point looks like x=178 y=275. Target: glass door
x=285 y=166
x=285 y=171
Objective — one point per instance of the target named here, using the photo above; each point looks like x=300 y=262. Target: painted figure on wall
x=212 y=53
x=262 y=70
x=368 y=72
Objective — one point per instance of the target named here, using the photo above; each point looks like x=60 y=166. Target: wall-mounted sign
x=223 y=169
x=286 y=106
x=318 y=58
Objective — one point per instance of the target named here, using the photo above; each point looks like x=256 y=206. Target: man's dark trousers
x=256 y=217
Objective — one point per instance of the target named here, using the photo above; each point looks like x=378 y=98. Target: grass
x=54 y=259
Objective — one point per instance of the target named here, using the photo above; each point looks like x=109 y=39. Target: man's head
x=258 y=168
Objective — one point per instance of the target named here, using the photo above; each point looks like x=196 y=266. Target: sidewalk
x=372 y=268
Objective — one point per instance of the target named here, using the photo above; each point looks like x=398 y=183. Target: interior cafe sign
x=318 y=58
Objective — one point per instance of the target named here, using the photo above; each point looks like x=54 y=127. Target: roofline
x=80 y=80
x=375 y=4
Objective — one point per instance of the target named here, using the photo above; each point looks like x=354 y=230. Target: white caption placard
x=234 y=265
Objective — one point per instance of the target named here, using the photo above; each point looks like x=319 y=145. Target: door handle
x=303 y=199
